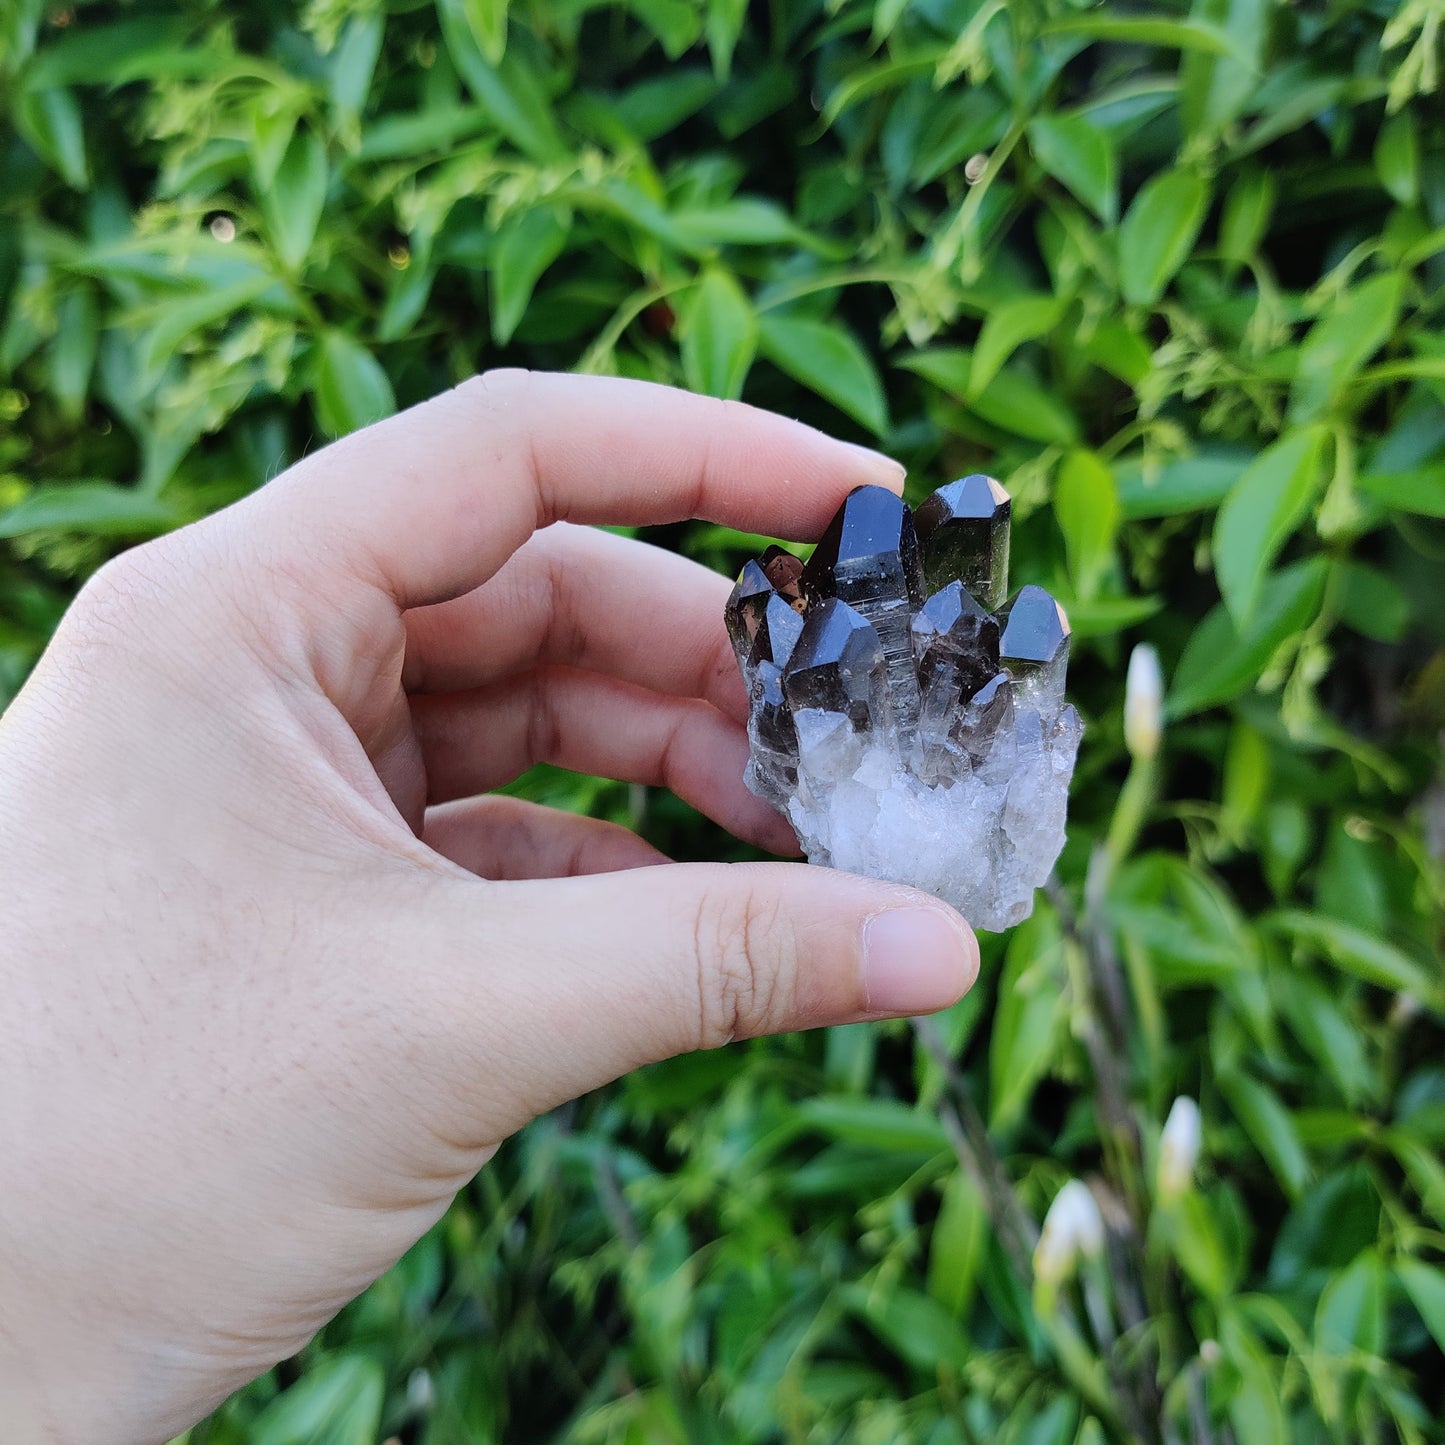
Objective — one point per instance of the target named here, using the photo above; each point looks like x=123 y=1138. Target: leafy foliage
x=1175 y=276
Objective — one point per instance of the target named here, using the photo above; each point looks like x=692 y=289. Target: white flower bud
x=1073 y=1226
x=421 y=1393
x=1143 y=703
x=1178 y=1149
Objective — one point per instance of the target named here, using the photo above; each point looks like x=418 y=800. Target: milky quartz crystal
x=907 y=717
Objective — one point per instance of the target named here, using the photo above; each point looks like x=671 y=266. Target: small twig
x=968 y=1134
x=610 y=1193
x=1014 y=1227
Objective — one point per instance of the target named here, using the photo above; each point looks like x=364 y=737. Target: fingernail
x=893 y=471
x=916 y=961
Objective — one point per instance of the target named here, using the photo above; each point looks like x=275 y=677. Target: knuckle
x=567 y=631
x=493 y=388
x=543 y=740
x=131 y=588
x=739 y=966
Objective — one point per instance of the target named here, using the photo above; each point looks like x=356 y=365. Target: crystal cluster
x=906 y=718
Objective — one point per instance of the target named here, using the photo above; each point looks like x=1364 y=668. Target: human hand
x=261 y=1014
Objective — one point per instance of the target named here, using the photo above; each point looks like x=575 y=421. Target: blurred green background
x=1174 y=275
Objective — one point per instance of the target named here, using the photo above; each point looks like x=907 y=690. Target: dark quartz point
x=1034 y=647
x=869 y=558
x=784 y=570
x=955 y=644
x=771 y=730
x=838 y=666
x=989 y=709
x=777 y=635
x=869 y=554
x=745 y=608
x=963 y=529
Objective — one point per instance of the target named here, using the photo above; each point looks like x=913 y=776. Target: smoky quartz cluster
x=907 y=716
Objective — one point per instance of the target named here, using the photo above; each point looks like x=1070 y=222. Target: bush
x=1175 y=276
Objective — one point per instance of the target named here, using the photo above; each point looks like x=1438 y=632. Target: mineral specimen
x=908 y=722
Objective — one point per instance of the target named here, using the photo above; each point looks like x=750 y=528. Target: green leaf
x=719 y=336
x=1012 y=401
x=1214 y=89
x=1116 y=347
x=90 y=54
x=100 y=509
x=825 y=356
x=948 y=368
x=1005 y=329
x=661 y=103
x=1421 y=491
x=742 y=221
x=487 y=20
x=1350 y=1316
x=50 y=120
x=1087 y=507
x=1356 y=952
x=1261 y=511
x=956 y=1251
x=510 y=92
x=1246 y=215
x=524 y=246
x=1397 y=158
x=350 y=387
x=1372 y=602
x=353 y=62
x=878 y=1123
x=872 y=80
x=1269 y=1126
x=1194 y=1237
x=1030 y=1012
x=337 y=1402
x=1423 y=1169
x=1317 y=1018
x=1053 y=1425
x=407 y=296
x=1350 y=332
x=273 y=120
x=72 y=353
x=1196 y=483
x=181 y=317
x=1158 y=232
x=1142 y=30
x=393 y=136
x=1106 y=616
x=917 y=1328
x=1425 y=1284
x=292 y=203
x=1221 y=660
x=1255 y=1411
x=676 y=23
x=724 y=25
x=1079 y=155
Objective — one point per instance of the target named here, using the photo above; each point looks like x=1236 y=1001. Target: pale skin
x=277 y=976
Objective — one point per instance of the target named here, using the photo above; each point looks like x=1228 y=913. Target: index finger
x=429 y=503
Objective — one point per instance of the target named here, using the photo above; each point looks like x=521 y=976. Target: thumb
x=558 y=986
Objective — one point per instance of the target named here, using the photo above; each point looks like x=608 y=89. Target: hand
x=261 y=1014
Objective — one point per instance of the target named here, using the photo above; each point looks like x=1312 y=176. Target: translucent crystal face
x=964 y=531
x=921 y=737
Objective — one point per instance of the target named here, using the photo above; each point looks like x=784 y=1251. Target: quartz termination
x=908 y=721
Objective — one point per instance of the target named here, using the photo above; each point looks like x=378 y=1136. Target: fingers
x=588 y=599
x=508 y=838
x=477 y=740
x=429 y=503
x=549 y=989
